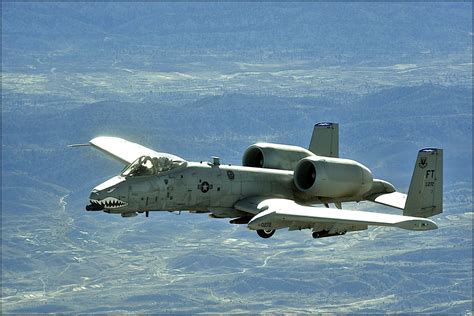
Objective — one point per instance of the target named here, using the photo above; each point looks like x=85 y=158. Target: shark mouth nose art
x=108 y=202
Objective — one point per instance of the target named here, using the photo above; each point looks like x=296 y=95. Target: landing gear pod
x=265 y=233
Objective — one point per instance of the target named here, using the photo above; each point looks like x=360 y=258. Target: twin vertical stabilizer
x=325 y=140
x=425 y=195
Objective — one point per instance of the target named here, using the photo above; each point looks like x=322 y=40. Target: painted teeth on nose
x=110 y=202
x=95 y=202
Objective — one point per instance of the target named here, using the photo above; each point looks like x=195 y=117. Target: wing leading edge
x=281 y=213
x=124 y=151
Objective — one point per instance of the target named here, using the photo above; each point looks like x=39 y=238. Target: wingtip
x=418 y=224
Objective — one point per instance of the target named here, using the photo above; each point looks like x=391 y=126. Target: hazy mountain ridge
x=309 y=28
x=226 y=128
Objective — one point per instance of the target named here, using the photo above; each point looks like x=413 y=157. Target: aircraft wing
x=124 y=151
x=280 y=213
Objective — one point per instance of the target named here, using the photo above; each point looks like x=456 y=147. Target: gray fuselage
x=198 y=187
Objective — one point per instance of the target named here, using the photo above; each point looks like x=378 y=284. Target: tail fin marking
x=425 y=195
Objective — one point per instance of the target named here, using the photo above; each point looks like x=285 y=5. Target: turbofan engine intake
x=274 y=156
x=332 y=177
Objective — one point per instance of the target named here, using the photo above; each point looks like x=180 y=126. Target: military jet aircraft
x=277 y=186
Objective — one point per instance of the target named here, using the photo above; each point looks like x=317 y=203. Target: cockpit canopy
x=147 y=166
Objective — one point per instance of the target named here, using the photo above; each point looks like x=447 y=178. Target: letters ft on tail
x=277 y=186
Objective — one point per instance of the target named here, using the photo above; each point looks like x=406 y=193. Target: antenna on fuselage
x=216 y=162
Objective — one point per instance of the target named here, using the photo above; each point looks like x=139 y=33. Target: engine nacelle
x=332 y=177
x=274 y=156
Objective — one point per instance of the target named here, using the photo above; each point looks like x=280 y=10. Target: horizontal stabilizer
x=394 y=199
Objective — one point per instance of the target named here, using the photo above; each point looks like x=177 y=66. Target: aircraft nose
x=94 y=194
x=97 y=195
x=94 y=199
x=109 y=195
x=94 y=206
